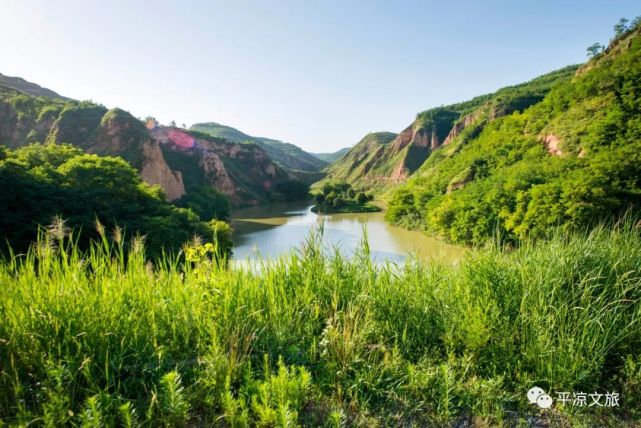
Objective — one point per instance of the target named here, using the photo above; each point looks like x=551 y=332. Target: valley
x=437 y=275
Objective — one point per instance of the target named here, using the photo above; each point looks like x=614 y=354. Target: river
x=269 y=231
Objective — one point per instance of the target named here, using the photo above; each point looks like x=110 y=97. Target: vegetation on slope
x=572 y=160
x=380 y=161
x=95 y=339
x=355 y=165
x=333 y=156
x=58 y=184
x=26 y=119
x=340 y=197
x=285 y=154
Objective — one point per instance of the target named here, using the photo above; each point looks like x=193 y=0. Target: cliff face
x=383 y=159
x=459 y=126
x=242 y=171
x=155 y=171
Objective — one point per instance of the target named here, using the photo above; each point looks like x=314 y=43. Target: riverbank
x=322 y=339
x=346 y=208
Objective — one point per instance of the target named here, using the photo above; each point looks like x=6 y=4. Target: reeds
x=107 y=337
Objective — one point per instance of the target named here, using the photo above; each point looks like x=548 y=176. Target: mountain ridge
x=390 y=166
x=26 y=119
x=29 y=88
x=287 y=155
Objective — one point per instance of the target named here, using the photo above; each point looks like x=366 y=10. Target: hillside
x=28 y=88
x=243 y=172
x=385 y=164
x=333 y=156
x=572 y=159
x=355 y=167
x=285 y=154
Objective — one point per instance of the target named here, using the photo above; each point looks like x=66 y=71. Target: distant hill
x=21 y=85
x=331 y=157
x=285 y=154
x=355 y=167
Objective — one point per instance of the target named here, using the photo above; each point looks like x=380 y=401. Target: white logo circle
x=544 y=401
x=534 y=393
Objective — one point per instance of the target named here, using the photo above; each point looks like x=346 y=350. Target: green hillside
x=285 y=154
x=572 y=159
x=354 y=167
x=60 y=188
x=380 y=163
x=333 y=156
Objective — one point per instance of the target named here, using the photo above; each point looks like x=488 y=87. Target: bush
x=206 y=202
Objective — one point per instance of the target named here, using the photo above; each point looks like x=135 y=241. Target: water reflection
x=272 y=230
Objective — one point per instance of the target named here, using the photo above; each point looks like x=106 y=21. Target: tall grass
x=106 y=337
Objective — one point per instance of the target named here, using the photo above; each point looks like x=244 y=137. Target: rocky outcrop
x=155 y=171
x=214 y=168
x=172 y=158
x=242 y=171
x=399 y=174
x=552 y=144
x=459 y=126
x=413 y=135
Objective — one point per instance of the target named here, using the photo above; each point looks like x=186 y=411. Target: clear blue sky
x=319 y=74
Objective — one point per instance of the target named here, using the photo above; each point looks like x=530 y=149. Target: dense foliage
x=45 y=182
x=95 y=339
x=290 y=190
x=572 y=159
x=206 y=202
x=341 y=197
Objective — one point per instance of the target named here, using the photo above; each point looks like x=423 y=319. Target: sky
x=318 y=74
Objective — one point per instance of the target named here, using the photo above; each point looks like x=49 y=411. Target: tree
x=329 y=198
x=172 y=123
x=319 y=198
x=206 y=202
x=594 y=50
x=327 y=188
x=351 y=194
x=361 y=199
x=621 y=27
